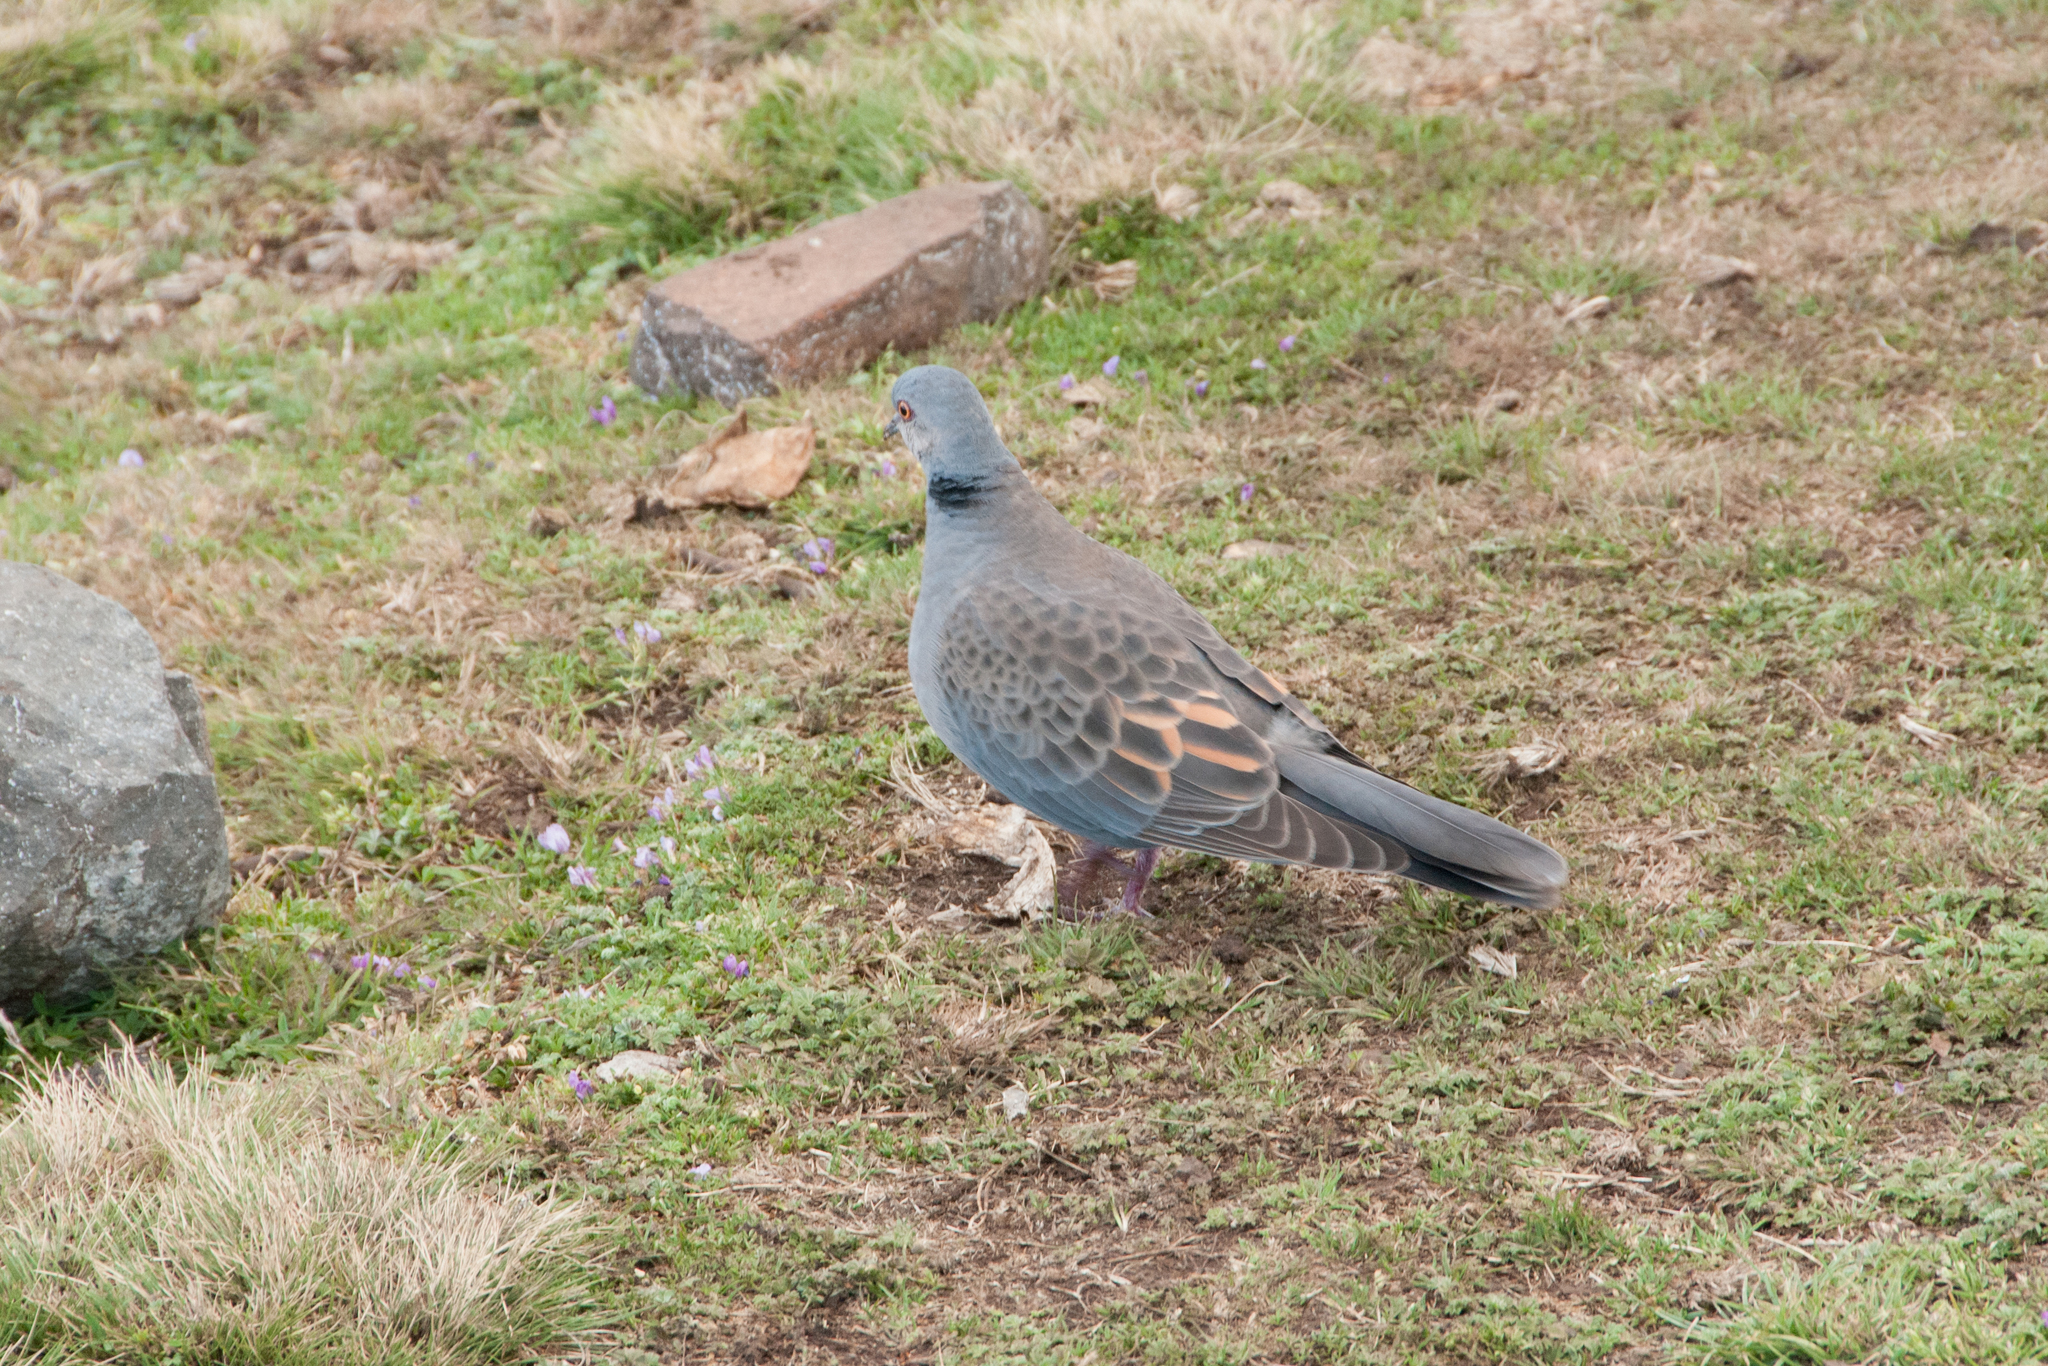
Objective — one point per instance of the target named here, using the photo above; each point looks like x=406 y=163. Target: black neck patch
x=955 y=494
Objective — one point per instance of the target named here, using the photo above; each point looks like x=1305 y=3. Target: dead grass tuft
x=409 y=124
x=139 y=1207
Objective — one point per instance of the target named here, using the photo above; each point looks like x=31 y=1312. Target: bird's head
x=940 y=416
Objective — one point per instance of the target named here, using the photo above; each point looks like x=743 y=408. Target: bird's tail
x=1448 y=846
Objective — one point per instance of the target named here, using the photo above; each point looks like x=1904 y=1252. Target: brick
x=825 y=301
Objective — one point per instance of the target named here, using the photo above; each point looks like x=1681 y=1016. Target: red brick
x=825 y=301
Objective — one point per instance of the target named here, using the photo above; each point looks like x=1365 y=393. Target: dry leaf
x=1016 y=1102
x=1006 y=834
x=1094 y=391
x=1941 y=1044
x=1032 y=892
x=1491 y=959
x=22 y=199
x=104 y=275
x=1925 y=734
x=1114 y=282
x=1259 y=550
x=1531 y=760
x=545 y=521
x=637 y=1064
x=1299 y=201
x=1591 y=308
x=1178 y=202
x=744 y=468
x=1715 y=271
x=183 y=289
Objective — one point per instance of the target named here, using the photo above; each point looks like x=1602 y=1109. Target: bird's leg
x=1080 y=876
x=1134 y=886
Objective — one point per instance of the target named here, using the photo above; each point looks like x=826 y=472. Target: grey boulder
x=112 y=843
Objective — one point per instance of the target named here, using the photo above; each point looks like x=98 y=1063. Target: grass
x=1765 y=1090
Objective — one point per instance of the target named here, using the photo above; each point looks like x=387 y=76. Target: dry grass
x=247 y=1221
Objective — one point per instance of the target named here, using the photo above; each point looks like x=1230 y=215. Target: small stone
x=638 y=1065
x=114 y=842
x=825 y=302
x=1016 y=1102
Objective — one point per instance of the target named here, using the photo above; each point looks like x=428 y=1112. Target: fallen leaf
x=1178 y=202
x=1297 y=199
x=1490 y=959
x=1716 y=271
x=744 y=468
x=638 y=1065
x=1531 y=760
x=192 y=280
x=1016 y=1102
x=1591 y=308
x=1114 y=282
x=1941 y=1044
x=1031 y=893
x=1092 y=392
x=1926 y=735
x=104 y=275
x=990 y=830
x=1259 y=550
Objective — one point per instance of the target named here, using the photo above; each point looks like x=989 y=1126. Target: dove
x=1081 y=686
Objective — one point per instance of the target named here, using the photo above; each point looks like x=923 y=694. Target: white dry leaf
x=744 y=468
x=1490 y=959
x=1297 y=200
x=1925 y=734
x=104 y=275
x=1589 y=309
x=1030 y=894
x=1259 y=550
x=1178 y=202
x=1016 y=1102
x=992 y=831
x=638 y=1065
x=1114 y=282
x=1092 y=393
x=1535 y=759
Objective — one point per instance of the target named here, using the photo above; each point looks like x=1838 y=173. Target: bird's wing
x=1096 y=709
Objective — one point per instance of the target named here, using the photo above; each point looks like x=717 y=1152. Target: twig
x=1790 y=1247
x=1245 y=274
x=1246 y=997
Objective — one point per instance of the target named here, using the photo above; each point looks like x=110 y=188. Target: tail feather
x=1448 y=846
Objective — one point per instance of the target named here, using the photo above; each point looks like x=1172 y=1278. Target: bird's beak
x=889 y=429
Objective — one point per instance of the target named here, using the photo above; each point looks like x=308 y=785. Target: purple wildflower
x=714 y=795
x=1899 y=1089
x=382 y=963
x=1244 y=493
x=1066 y=383
x=474 y=458
x=619 y=846
x=668 y=848
x=737 y=966
x=643 y=857
x=1287 y=342
x=657 y=810
x=359 y=963
x=888 y=468
x=647 y=634
x=413 y=501
x=429 y=982
x=1201 y=388
x=1258 y=362
x=581 y=1085
x=131 y=459
x=1109 y=366
x=1140 y=377
x=703 y=1169
x=554 y=839
x=705 y=761
x=401 y=969
x=663 y=881
x=191 y=43
x=580 y=876
x=619 y=634
x=316 y=955
x=820 y=567
x=606 y=412
x=718 y=813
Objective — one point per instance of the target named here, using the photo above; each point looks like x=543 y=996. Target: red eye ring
x=903 y=410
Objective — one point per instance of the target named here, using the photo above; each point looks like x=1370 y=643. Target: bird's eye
x=903 y=410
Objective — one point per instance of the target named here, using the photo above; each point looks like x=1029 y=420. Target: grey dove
x=1077 y=683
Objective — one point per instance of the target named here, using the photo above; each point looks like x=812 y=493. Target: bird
x=1079 y=685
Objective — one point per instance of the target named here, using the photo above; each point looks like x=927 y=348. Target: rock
x=827 y=300
x=112 y=843
x=638 y=1065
